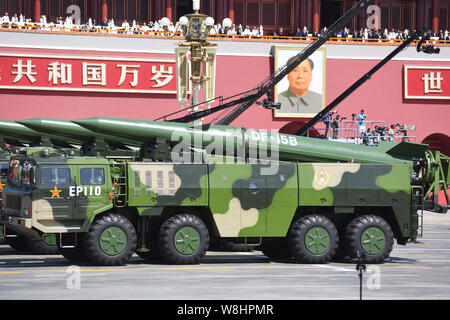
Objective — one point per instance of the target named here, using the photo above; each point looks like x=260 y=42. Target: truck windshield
x=22 y=174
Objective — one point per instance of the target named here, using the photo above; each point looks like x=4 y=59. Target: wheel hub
x=49 y=239
x=373 y=240
x=317 y=240
x=187 y=240
x=113 y=241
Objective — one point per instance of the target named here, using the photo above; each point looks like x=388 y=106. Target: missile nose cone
x=45 y=124
x=13 y=128
x=144 y=131
x=86 y=122
x=29 y=123
x=92 y=124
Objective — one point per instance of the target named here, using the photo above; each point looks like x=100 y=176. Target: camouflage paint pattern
x=242 y=200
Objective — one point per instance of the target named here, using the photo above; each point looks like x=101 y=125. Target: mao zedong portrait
x=298 y=98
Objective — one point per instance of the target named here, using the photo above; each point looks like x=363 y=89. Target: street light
x=195 y=28
x=226 y=23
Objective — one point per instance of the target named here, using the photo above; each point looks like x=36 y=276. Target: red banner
x=74 y=73
x=425 y=82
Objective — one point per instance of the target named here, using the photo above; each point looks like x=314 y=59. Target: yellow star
x=55 y=192
x=1 y=186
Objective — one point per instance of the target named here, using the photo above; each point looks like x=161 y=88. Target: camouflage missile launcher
x=105 y=209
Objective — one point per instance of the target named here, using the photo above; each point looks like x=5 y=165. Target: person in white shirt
x=68 y=24
x=232 y=31
x=255 y=32
x=246 y=31
x=5 y=18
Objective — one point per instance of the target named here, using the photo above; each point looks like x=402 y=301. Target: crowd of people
x=360 y=132
x=110 y=26
x=155 y=27
x=366 y=34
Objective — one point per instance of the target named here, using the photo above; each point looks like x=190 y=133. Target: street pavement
x=418 y=270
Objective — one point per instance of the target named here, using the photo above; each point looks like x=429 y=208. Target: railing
x=143 y=31
x=348 y=133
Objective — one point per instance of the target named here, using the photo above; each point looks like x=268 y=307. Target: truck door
x=91 y=190
x=54 y=199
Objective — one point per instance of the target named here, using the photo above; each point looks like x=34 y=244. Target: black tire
x=17 y=242
x=372 y=236
x=110 y=241
x=183 y=239
x=313 y=239
x=276 y=248
x=75 y=255
x=45 y=245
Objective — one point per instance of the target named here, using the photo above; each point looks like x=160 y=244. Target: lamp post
x=195 y=28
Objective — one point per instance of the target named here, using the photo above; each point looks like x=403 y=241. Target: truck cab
x=55 y=194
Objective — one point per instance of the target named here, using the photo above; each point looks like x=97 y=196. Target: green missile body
x=12 y=130
x=251 y=142
x=69 y=129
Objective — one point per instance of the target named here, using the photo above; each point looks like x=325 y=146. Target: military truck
x=104 y=209
x=15 y=137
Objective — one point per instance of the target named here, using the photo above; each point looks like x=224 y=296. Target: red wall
x=381 y=96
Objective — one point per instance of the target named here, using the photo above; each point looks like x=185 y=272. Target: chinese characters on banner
x=426 y=82
x=70 y=73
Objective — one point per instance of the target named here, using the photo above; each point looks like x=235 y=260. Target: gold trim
x=76 y=57
x=405 y=83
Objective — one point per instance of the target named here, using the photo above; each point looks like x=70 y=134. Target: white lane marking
x=334 y=268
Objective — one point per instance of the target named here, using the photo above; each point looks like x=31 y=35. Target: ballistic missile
x=71 y=130
x=13 y=131
x=249 y=142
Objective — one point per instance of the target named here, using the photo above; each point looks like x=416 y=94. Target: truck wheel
x=313 y=239
x=183 y=239
x=276 y=248
x=370 y=235
x=45 y=245
x=110 y=241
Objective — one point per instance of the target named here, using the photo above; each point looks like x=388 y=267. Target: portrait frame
x=318 y=84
